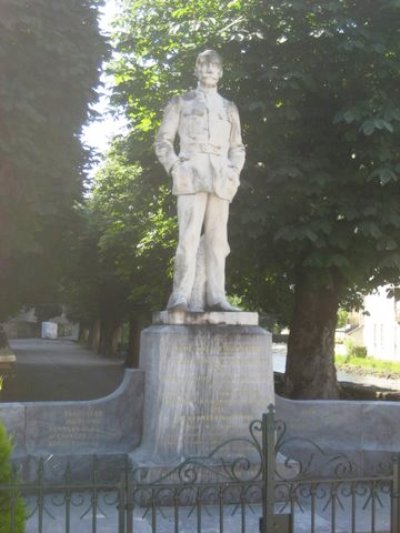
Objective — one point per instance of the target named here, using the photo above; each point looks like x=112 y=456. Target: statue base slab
x=239 y=318
x=206 y=380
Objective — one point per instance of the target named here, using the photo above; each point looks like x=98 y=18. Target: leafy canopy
x=317 y=85
x=50 y=54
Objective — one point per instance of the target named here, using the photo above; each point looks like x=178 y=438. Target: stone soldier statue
x=205 y=178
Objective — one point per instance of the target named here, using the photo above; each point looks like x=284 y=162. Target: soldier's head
x=208 y=68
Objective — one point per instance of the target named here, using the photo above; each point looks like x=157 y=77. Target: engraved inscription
x=80 y=426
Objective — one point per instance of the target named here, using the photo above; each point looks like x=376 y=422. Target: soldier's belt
x=206 y=148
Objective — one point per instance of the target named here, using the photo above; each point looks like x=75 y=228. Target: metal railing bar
x=373 y=508
x=198 y=511
x=243 y=517
x=67 y=512
x=313 y=493
x=40 y=495
x=353 y=508
x=221 y=510
x=176 y=512
x=333 y=508
x=292 y=508
x=153 y=513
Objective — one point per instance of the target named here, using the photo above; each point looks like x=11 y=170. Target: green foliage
x=343 y=316
x=369 y=365
x=50 y=54
x=317 y=85
x=11 y=504
x=137 y=228
x=90 y=288
x=354 y=350
x=311 y=170
x=127 y=240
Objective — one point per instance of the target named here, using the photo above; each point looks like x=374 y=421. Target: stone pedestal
x=207 y=376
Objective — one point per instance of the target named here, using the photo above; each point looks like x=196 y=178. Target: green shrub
x=359 y=351
x=354 y=350
x=11 y=503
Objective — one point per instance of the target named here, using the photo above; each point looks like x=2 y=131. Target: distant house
x=25 y=325
x=377 y=326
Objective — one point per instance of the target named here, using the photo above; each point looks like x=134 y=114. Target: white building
x=379 y=324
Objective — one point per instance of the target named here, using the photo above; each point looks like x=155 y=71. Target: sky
x=98 y=134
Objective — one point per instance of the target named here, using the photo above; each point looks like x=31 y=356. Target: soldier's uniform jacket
x=211 y=153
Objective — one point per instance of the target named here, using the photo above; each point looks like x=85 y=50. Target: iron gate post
x=271 y=522
x=268 y=470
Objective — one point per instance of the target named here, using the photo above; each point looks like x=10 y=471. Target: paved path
x=56 y=370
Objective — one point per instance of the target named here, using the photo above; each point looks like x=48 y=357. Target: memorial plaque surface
x=204 y=384
x=107 y=425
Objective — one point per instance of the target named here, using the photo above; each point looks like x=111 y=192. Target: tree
x=317 y=84
x=330 y=178
x=137 y=223
x=50 y=54
x=94 y=296
x=127 y=240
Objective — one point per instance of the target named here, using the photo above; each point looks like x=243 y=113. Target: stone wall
x=108 y=425
x=367 y=432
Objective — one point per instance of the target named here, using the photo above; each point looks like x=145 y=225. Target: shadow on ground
x=59 y=370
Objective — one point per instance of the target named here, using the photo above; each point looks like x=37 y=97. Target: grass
x=368 y=365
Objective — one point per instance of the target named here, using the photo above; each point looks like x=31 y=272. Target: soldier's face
x=209 y=71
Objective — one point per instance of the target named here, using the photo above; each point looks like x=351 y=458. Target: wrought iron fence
x=292 y=484
x=327 y=492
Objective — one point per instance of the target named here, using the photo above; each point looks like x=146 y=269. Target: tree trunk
x=83 y=337
x=310 y=368
x=108 y=337
x=115 y=340
x=94 y=336
x=4 y=346
x=135 y=327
